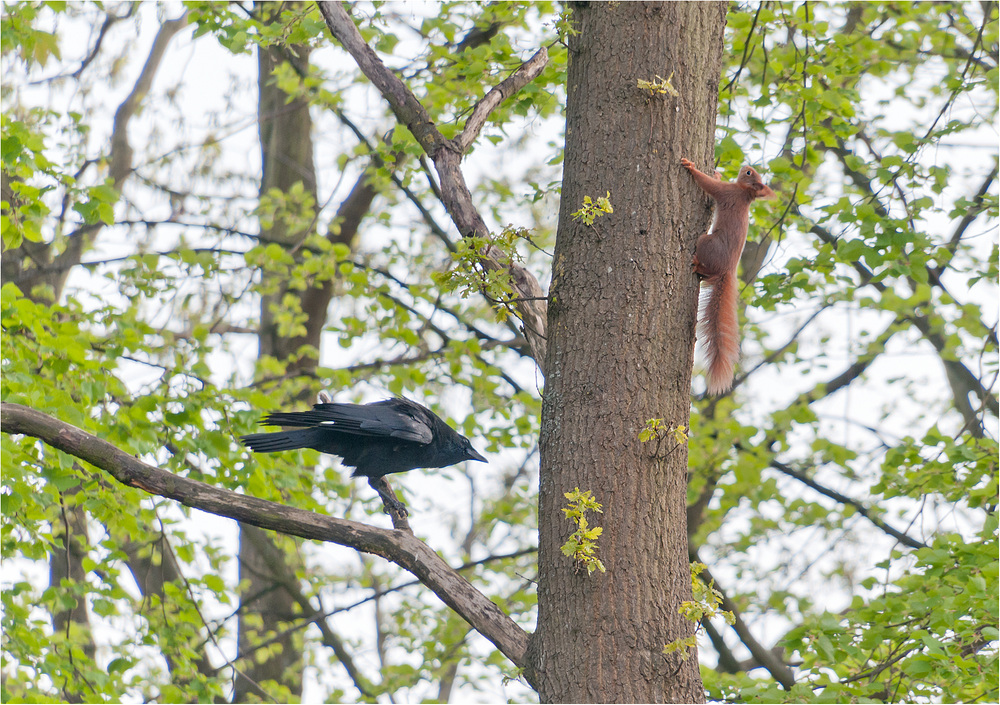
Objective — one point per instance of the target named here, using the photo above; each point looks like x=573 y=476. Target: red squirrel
x=715 y=259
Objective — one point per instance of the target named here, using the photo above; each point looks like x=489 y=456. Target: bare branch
x=400 y=547
x=975 y=208
x=121 y=151
x=844 y=499
x=525 y=74
x=110 y=20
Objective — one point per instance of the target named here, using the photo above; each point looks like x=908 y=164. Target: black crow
x=377 y=439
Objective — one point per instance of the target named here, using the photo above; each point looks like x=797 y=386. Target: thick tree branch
x=404 y=104
x=121 y=151
x=400 y=547
x=377 y=160
x=447 y=156
x=727 y=663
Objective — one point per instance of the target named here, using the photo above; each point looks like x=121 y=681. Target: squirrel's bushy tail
x=718 y=331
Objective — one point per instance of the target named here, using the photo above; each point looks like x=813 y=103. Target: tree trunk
x=286 y=159
x=70 y=543
x=153 y=565
x=40 y=270
x=621 y=321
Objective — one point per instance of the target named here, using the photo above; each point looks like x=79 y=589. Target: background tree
x=843 y=496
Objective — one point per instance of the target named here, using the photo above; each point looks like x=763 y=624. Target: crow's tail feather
x=294 y=418
x=284 y=440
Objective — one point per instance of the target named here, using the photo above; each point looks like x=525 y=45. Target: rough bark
x=620 y=328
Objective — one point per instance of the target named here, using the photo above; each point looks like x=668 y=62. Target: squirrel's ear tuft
x=764 y=191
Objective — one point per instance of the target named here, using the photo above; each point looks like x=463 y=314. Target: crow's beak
x=473 y=455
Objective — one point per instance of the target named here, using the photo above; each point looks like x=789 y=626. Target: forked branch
x=447 y=155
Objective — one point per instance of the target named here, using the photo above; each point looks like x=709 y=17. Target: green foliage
x=660 y=86
x=707 y=599
x=592 y=210
x=656 y=429
x=22 y=36
x=705 y=605
x=24 y=212
x=482 y=265
x=860 y=115
x=925 y=633
x=61 y=357
x=99 y=206
x=147 y=348
x=854 y=106
x=581 y=546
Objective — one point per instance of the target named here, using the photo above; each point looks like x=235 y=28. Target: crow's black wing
x=392 y=418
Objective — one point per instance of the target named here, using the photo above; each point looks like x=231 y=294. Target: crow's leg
x=381 y=485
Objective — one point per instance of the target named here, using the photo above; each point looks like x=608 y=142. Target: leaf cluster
x=592 y=210
x=581 y=546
